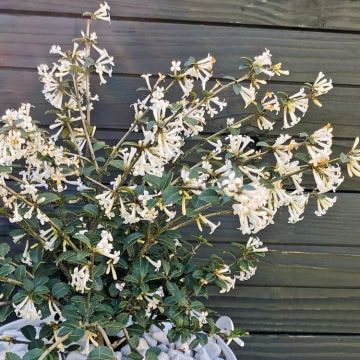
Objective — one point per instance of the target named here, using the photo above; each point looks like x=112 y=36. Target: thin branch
x=106 y=339
x=54 y=346
x=30 y=204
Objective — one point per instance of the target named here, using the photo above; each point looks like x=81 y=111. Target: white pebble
x=76 y=355
x=125 y=350
x=163 y=348
x=153 y=329
x=213 y=349
x=163 y=356
x=150 y=340
x=160 y=337
x=203 y=355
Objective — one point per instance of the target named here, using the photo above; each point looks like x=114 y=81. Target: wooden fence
x=304 y=302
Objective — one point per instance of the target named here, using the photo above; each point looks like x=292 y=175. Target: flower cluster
x=99 y=226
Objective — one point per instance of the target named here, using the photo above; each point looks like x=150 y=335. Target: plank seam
x=183 y=22
x=214 y=78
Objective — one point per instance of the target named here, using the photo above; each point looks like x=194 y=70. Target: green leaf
x=152 y=353
x=84 y=239
x=263 y=144
x=132 y=239
x=118 y=164
x=190 y=61
x=91 y=209
x=5 y=169
x=47 y=197
x=5 y=312
x=171 y=195
x=344 y=159
x=97 y=145
x=60 y=290
x=101 y=353
x=166 y=180
x=33 y=354
x=46 y=332
x=155 y=181
x=209 y=196
x=73 y=257
x=6 y=269
x=12 y=356
x=4 y=249
x=20 y=272
x=237 y=89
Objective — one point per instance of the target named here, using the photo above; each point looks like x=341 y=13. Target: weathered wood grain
x=290 y=347
x=114 y=112
x=319 y=14
x=294 y=310
x=143 y=47
x=339 y=227
x=298 y=266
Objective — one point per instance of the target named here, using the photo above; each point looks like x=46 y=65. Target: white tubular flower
x=106 y=202
x=55 y=312
x=202 y=70
x=186 y=85
x=128 y=217
x=282 y=151
x=296 y=207
x=327 y=178
x=26 y=309
x=120 y=286
x=103 y=64
x=238 y=144
x=353 y=166
x=79 y=279
x=201 y=316
x=270 y=102
x=25 y=259
x=105 y=247
x=155 y=264
x=323 y=137
x=298 y=101
x=175 y=66
x=324 y=203
x=50 y=236
x=103 y=13
x=278 y=70
x=223 y=274
x=214 y=100
x=320 y=87
x=203 y=220
x=262 y=63
x=16 y=215
x=245 y=275
x=263 y=123
x=89 y=338
x=248 y=95
x=278 y=196
x=255 y=245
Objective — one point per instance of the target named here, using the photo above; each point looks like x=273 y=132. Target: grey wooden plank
x=114 y=111
x=281 y=347
x=339 y=227
x=297 y=266
x=322 y=14
x=294 y=310
x=143 y=47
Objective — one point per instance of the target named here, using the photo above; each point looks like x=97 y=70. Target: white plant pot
x=215 y=349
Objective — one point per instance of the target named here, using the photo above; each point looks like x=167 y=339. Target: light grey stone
x=213 y=349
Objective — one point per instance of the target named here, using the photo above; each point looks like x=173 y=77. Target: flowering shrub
x=98 y=244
